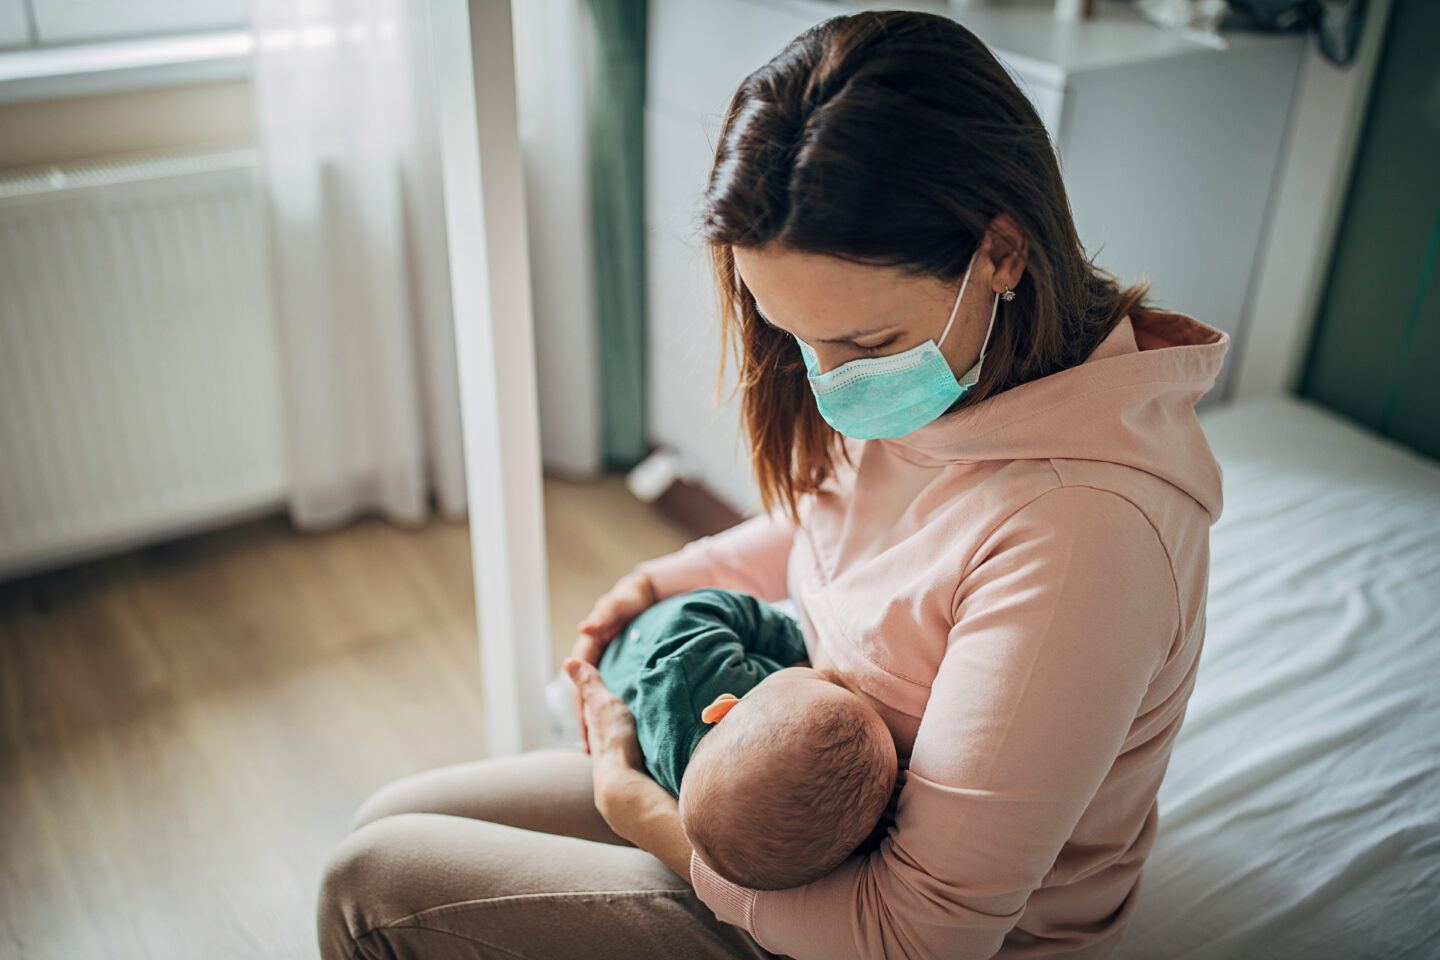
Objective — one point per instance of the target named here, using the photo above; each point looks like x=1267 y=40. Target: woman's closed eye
x=863 y=348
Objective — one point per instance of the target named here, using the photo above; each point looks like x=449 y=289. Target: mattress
x=1300 y=817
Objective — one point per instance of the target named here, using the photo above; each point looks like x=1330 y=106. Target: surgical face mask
x=894 y=395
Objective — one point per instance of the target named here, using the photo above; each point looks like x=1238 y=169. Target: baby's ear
x=719 y=707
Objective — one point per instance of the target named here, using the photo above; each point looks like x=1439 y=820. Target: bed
x=1300 y=817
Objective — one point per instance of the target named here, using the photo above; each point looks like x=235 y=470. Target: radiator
x=139 y=382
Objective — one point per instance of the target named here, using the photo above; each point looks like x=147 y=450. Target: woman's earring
x=1008 y=295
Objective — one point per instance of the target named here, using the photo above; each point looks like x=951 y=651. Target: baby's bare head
x=790 y=781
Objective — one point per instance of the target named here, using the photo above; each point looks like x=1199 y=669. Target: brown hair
x=891 y=138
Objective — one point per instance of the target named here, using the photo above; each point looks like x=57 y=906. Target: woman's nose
x=824 y=363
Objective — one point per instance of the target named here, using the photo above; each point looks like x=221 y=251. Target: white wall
x=1325 y=123
x=551 y=87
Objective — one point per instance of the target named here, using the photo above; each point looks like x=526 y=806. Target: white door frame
x=474 y=60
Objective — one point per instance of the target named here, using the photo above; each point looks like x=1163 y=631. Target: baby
x=780 y=772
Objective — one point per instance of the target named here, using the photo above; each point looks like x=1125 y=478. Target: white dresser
x=1168 y=147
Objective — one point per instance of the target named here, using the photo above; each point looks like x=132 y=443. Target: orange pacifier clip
x=717 y=709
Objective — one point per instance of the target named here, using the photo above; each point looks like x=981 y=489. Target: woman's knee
x=396 y=797
x=413 y=884
x=369 y=880
x=546 y=790
x=346 y=886
x=455 y=789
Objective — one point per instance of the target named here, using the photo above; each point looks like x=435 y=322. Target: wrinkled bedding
x=1300 y=817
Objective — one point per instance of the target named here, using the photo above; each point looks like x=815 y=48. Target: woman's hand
x=631 y=595
x=619 y=766
x=608 y=724
x=636 y=807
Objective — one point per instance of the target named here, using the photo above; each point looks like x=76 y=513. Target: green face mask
x=894 y=395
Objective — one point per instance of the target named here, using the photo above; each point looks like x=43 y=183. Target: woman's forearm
x=653 y=825
x=636 y=807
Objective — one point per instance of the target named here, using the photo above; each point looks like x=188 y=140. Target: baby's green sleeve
x=683 y=652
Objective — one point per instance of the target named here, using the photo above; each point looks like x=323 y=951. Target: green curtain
x=617 y=190
x=1377 y=339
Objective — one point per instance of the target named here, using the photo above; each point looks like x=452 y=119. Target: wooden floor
x=186 y=730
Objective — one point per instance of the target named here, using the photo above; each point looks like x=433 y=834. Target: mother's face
x=847 y=310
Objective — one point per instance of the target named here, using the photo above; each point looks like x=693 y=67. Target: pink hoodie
x=1020 y=588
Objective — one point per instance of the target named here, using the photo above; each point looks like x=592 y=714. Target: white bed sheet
x=1300 y=817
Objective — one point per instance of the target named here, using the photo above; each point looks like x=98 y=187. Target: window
x=14 y=24
x=49 y=22
x=63 y=48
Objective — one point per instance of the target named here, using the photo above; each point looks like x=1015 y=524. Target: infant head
x=788 y=783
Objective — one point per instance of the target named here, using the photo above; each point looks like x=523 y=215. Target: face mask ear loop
x=958 y=297
x=975 y=370
x=994 y=308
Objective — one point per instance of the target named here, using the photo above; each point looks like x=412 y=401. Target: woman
x=996 y=507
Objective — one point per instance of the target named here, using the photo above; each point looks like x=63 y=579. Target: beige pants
x=507 y=858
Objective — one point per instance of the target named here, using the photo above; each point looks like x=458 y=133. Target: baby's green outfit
x=676 y=657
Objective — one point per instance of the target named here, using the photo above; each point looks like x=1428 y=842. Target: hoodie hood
x=1131 y=402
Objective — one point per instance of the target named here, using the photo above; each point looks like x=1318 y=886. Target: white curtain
x=345 y=111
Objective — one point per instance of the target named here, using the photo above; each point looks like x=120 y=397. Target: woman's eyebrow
x=847 y=339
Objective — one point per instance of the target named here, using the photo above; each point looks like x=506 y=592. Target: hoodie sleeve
x=1064 y=615
x=751 y=556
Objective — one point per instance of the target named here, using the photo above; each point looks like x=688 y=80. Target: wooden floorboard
x=185 y=730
